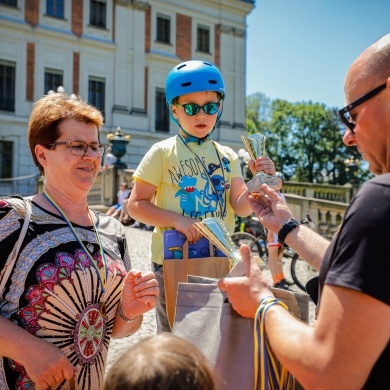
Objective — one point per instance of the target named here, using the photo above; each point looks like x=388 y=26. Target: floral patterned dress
x=54 y=290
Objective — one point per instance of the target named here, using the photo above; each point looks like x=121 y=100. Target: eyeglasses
x=192 y=109
x=79 y=148
x=344 y=114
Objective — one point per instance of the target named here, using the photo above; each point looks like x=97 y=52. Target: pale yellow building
x=115 y=54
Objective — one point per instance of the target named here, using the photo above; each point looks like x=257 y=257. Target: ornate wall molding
x=137 y=4
x=238 y=32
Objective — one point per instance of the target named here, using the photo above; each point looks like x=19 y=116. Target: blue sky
x=300 y=50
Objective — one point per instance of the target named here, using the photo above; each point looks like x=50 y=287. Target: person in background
x=191 y=176
x=124 y=216
x=349 y=345
x=275 y=249
x=71 y=287
x=109 y=158
x=122 y=194
x=164 y=362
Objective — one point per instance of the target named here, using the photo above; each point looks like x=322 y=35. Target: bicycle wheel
x=301 y=272
x=250 y=240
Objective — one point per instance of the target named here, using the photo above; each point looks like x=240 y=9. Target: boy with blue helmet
x=194 y=76
x=189 y=177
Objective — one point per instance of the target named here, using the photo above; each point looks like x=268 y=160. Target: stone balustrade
x=324 y=204
x=325 y=214
x=320 y=191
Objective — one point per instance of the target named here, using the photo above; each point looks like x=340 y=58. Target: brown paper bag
x=177 y=270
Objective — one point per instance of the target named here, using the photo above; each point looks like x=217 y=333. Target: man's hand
x=270 y=208
x=246 y=292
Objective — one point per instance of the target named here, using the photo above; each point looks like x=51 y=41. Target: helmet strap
x=192 y=138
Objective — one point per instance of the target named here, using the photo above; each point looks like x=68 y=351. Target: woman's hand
x=262 y=163
x=139 y=293
x=46 y=365
x=185 y=225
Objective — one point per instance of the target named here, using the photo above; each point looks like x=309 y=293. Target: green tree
x=257 y=113
x=304 y=139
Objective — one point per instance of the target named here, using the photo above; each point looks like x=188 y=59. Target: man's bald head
x=372 y=66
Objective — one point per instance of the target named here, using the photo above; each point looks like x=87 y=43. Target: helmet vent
x=213 y=81
x=186 y=84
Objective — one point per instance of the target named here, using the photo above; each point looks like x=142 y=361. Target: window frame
x=8 y=90
x=6 y=158
x=161 y=119
x=92 y=92
x=9 y=3
x=162 y=35
x=98 y=7
x=59 y=9
x=201 y=45
x=52 y=85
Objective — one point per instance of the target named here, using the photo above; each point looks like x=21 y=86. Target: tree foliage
x=304 y=140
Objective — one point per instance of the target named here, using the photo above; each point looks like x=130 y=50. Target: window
x=163 y=29
x=203 y=39
x=98 y=13
x=162 y=112
x=5 y=159
x=11 y=3
x=7 y=85
x=53 y=79
x=55 y=8
x=97 y=92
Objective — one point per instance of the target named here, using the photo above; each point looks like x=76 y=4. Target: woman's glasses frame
x=80 y=148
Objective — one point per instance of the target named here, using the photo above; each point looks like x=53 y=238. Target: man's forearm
x=308 y=244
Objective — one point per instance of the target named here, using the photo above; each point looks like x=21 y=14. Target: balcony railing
x=325 y=204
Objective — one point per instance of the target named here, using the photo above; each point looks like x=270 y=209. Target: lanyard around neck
x=101 y=272
x=221 y=209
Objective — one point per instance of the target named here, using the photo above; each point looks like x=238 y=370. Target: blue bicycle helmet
x=193 y=76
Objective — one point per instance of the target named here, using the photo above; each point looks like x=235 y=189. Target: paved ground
x=139 y=244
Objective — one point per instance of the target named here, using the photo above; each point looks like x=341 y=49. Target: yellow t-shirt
x=192 y=180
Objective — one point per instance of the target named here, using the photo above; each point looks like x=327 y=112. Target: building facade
x=115 y=54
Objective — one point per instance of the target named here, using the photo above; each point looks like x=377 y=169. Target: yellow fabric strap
x=269 y=373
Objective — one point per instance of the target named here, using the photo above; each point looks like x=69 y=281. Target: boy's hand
x=185 y=225
x=262 y=163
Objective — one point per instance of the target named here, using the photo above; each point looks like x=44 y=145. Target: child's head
x=195 y=91
x=165 y=362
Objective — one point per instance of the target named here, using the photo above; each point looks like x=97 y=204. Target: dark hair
x=163 y=362
x=50 y=112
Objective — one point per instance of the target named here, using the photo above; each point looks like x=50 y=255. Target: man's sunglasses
x=344 y=113
x=193 y=108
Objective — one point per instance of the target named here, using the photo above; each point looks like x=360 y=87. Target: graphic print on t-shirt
x=202 y=187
